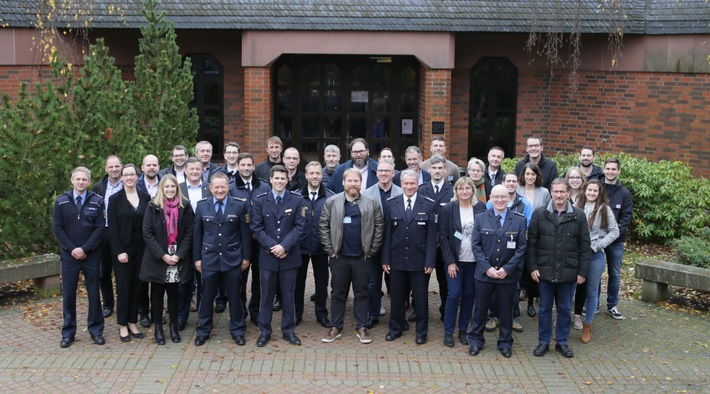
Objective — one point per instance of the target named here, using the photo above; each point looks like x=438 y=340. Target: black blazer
x=156 y=243
x=449 y=224
x=120 y=212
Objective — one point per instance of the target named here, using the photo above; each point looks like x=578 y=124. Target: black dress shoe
x=277 y=305
x=540 y=350
x=66 y=342
x=412 y=317
x=474 y=350
x=219 y=308
x=181 y=325
x=292 y=339
x=564 y=350
x=323 y=321
x=449 y=340
x=406 y=327
x=240 y=340
x=98 y=339
x=127 y=338
x=391 y=336
x=263 y=340
x=463 y=338
x=420 y=340
x=371 y=323
x=531 y=310
x=200 y=340
x=137 y=335
x=506 y=352
x=145 y=321
x=107 y=312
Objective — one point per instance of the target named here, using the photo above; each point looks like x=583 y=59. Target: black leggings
x=156 y=300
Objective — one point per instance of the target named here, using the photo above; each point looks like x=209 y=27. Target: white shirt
x=413 y=198
x=365 y=172
x=466 y=253
x=194 y=194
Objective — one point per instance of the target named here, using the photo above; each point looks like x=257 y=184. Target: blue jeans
x=561 y=294
x=614 y=255
x=460 y=293
x=594 y=278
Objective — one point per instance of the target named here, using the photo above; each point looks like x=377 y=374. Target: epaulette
x=428 y=198
x=262 y=195
x=203 y=199
x=239 y=199
x=518 y=213
x=295 y=193
x=392 y=198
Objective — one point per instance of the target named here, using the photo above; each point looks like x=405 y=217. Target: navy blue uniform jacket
x=446 y=193
x=278 y=225
x=79 y=228
x=221 y=245
x=449 y=224
x=490 y=245
x=310 y=239
x=409 y=245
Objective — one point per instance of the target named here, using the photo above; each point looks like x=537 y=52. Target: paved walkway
x=653 y=350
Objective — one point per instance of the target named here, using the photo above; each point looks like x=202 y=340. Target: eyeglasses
x=384 y=171
x=129 y=175
x=358 y=152
x=475 y=171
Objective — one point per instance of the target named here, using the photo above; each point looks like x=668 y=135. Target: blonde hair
x=159 y=199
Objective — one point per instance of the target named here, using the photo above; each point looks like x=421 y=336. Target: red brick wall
x=434 y=105
x=258 y=110
x=657 y=115
x=234 y=106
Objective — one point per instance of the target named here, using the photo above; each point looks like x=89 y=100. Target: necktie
x=409 y=204
x=248 y=185
x=313 y=196
x=436 y=189
x=408 y=211
x=219 y=211
x=78 y=202
x=498 y=217
x=278 y=200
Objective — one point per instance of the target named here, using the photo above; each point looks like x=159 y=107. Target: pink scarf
x=171 y=219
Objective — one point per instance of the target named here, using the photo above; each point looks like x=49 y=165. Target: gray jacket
x=602 y=237
x=330 y=225
x=374 y=193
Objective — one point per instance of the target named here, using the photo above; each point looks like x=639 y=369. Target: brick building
x=399 y=72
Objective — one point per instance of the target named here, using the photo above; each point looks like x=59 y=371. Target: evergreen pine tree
x=163 y=88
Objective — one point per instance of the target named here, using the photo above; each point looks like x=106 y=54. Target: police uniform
x=221 y=242
x=409 y=247
x=498 y=246
x=273 y=225
x=81 y=227
x=446 y=193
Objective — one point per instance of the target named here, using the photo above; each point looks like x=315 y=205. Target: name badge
x=450 y=178
x=511 y=242
x=347 y=220
x=618 y=206
x=436 y=218
x=288 y=210
x=458 y=235
x=421 y=223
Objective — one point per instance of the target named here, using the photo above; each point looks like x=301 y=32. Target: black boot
x=159 y=336
x=174 y=333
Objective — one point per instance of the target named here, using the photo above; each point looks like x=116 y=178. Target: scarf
x=171 y=219
x=480 y=190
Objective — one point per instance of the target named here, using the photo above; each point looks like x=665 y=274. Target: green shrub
x=694 y=251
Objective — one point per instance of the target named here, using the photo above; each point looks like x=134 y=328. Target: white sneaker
x=577 y=322
x=616 y=314
x=382 y=310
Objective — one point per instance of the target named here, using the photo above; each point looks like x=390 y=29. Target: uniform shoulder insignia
x=295 y=193
x=240 y=199
x=392 y=198
x=428 y=198
x=261 y=195
x=304 y=209
x=518 y=213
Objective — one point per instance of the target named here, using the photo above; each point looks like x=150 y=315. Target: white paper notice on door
x=357 y=96
x=407 y=125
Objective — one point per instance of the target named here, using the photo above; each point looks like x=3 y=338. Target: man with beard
x=106 y=187
x=148 y=182
x=438 y=147
x=493 y=174
x=547 y=167
x=332 y=161
x=380 y=192
x=231 y=151
x=413 y=158
x=248 y=186
x=350 y=228
x=179 y=159
x=274 y=147
x=409 y=255
x=296 y=179
x=314 y=196
x=586 y=164
x=361 y=161
x=277 y=222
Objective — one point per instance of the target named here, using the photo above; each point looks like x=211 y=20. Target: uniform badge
x=247 y=218
x=303 y=211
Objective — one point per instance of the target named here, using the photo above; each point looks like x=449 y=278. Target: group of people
x=195 y=231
